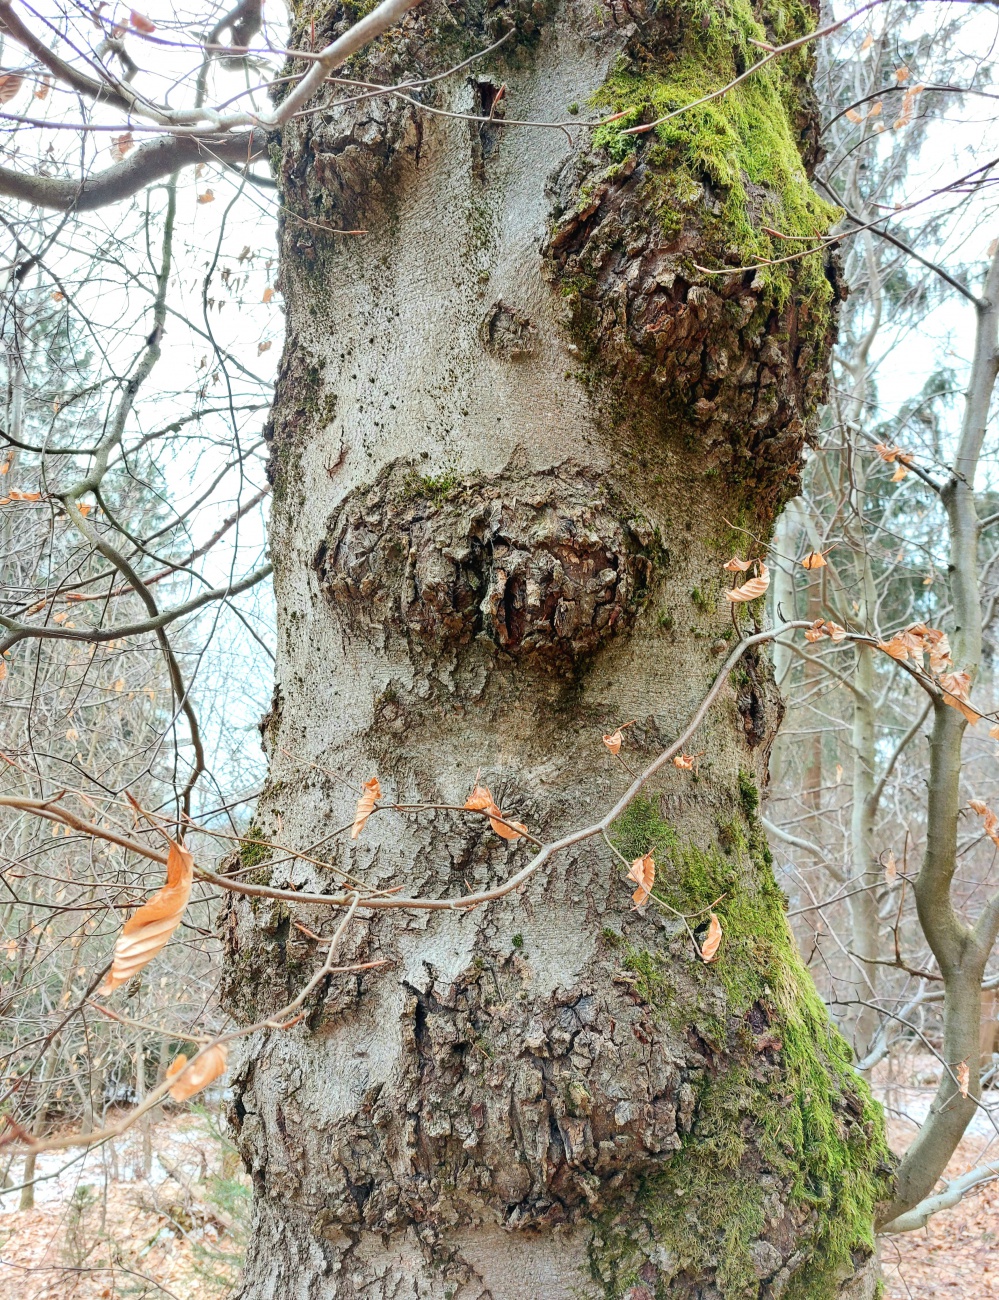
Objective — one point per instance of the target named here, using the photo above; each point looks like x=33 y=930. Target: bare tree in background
x=882 y=568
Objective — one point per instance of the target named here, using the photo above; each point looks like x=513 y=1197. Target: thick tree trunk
x=513 y=426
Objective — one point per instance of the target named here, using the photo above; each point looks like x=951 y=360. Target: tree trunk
x=514 y=424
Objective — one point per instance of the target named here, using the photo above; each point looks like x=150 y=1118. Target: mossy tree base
x=784 y=1142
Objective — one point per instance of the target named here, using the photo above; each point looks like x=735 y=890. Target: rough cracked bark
x=515 y=425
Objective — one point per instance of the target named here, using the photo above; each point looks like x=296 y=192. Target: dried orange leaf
x=263 y=347
x=963 y=1076
x=891 y=868
x=712 y=940
x=752 y=589
x=735 y=565
x=994 y=732
x=365 y=806
x=268 y=294
x=480 y=799
x=10 y=84
x=854 y=116
x=508 y=830
x=814 y=560
x=991 y=826
x=897 y=647
x=684 y=762
x=643 y=873
x=900 y=473
x=613 y=741
x=191 y=1079
x=121 y=145
x=817 y=632
x=207 y=197
x=957 y=693
x=141 y=23
x=148 y=931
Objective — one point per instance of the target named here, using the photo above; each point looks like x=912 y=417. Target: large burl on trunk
x=518 y=427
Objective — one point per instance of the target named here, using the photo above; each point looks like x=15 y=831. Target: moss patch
x=735 y=160
x=254 y=853
x=779 y=1108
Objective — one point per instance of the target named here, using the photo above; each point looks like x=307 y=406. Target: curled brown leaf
x=193 y=1078
x=712 y=940
x=957 y=693
x=372 y=792
x=643 y=873
x=752 y=589
x=991 y=826
x=479 y=799
x=147 y=932
x=613 y=741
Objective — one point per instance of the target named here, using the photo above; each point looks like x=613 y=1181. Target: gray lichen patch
x=542 y=565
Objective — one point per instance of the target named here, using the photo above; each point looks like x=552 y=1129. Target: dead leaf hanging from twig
x=821 y=629
x=643 y=873
x=481 y=800
x=148 y=931
x=365 y=806
x=508 y=830
x=712 y=940
x=991 y=826
x=191 y=1079
x=752 y=589
x=957 y=693
x=10 y=84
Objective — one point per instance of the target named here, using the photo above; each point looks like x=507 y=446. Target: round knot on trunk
x=543 y=565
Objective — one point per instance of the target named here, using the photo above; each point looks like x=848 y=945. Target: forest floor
x=100 y=1230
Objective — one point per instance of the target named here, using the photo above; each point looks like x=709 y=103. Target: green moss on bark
x=779 y=1110
x=745 y=144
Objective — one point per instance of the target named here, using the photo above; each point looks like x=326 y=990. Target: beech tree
x=548 y=373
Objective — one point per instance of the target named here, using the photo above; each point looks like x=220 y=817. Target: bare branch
x=147 y=163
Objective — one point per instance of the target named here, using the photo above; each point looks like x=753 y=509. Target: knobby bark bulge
x=517 y=429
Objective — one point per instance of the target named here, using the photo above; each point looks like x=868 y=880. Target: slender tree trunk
x=512 y=428
x=146 y=1159
x=962 y=950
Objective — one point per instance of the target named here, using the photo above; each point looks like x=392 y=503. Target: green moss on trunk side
x=782 y=1110
x=745 y=143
